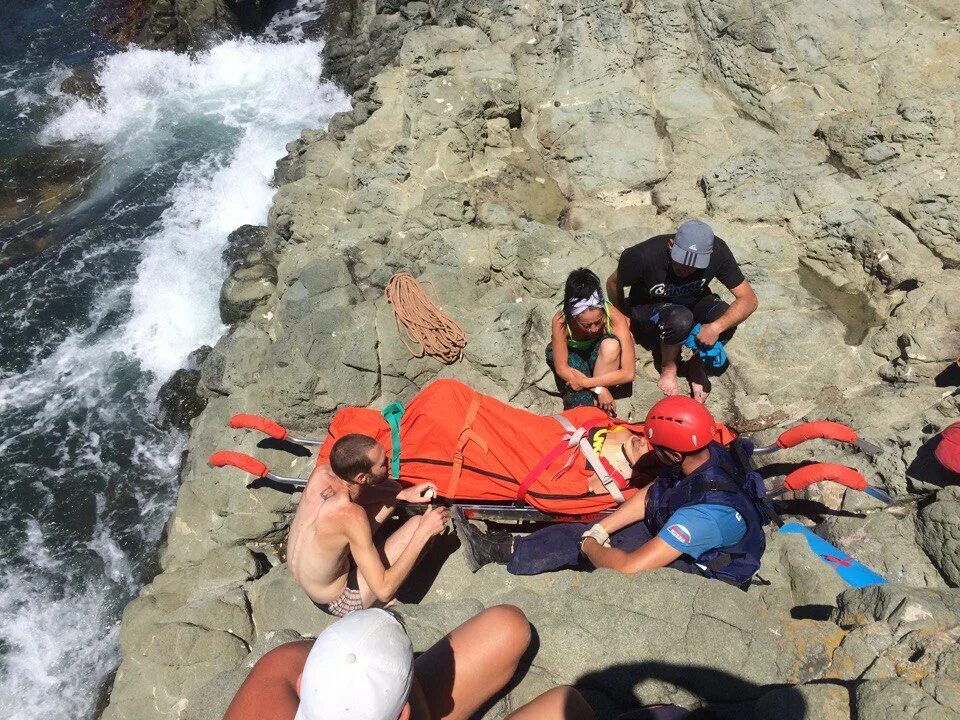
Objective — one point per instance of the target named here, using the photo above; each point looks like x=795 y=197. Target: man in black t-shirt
x=669 y=279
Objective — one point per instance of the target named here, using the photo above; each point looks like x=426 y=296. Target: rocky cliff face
x=495 y=146
x=187 y=24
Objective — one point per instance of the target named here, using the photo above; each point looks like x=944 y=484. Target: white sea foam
x=249 y=99
x=250 y=90
x=62 y=635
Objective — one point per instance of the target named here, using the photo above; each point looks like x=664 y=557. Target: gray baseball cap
x=693 y=244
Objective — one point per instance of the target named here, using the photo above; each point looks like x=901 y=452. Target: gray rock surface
x=493 y=147
x=178 y=398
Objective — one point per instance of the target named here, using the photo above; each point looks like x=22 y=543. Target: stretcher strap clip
x=466 y=435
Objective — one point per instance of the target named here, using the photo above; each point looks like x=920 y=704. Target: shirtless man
x=331 y=537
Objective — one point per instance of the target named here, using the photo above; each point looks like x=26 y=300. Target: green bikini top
x=587 y=344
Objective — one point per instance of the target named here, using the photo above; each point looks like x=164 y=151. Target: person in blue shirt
x=699 y=516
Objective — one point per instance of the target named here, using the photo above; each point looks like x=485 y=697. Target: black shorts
x=656 y=324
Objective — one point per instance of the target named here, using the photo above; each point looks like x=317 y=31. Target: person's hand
x=576 y=379
x=433 y=522
x=424 y=492
x=708 y=335
x=606 y=402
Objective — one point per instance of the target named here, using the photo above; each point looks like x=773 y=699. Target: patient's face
x=635 y=448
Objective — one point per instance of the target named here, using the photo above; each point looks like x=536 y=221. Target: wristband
x=596 y=390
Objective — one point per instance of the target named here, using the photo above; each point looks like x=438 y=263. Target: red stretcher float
x=503 y=463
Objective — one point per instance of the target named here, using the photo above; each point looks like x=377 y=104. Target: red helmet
x=680 y=423
x=948 y=449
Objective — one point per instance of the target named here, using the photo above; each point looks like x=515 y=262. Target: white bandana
x=580 y=306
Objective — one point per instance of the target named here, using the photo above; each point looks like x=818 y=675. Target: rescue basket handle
x=253 y=466
x=264 y=425
x=270 y=428
x=819 y=429
x=820 y=472
x=239 y=460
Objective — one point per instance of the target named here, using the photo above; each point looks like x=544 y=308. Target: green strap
x=392 y=414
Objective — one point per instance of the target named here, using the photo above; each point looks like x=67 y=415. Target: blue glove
x=714 y=356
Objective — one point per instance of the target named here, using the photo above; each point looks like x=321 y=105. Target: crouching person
x=331 y=550
x=591 y=350
x=699 y=516
x=670 y=295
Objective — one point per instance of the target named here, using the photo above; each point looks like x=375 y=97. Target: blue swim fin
x=854 y=573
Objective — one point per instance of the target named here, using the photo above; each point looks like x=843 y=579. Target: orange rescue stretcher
x=502 y=463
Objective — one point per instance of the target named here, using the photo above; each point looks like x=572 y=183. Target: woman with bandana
x=592 y=349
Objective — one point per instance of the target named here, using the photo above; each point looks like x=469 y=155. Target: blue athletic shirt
x=697 y=528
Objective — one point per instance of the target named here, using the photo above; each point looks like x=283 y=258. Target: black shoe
x=480 y=549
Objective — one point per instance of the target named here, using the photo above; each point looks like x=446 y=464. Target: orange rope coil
x=426 y=324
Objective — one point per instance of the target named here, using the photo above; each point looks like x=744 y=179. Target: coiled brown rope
x=426 y=324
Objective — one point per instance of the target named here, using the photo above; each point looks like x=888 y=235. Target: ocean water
x=183 y=150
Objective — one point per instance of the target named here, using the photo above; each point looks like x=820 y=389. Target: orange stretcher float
x=502 y=462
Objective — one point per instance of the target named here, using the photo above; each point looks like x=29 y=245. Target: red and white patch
x=680 y=532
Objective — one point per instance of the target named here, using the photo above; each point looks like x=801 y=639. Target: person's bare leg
x=561 y=703
x=700 y=385
x=392 y=548
x=608 y=358
x=668 y=371
x=473 y=663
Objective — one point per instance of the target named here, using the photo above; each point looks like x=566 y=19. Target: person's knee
x=716 y=311
x=676 y=322
x=411 y=525
x=609 y=349
x=510 y=625
x=573 y=703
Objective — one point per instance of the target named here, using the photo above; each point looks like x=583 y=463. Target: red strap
x=552 y=456
x=823 y=429
x=239 y=460
x=540 y=468
x=820 y=472
x=614 y=474
x=256 y=422
x=595 y=422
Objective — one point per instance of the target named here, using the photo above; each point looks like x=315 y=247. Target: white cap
x=360 y=668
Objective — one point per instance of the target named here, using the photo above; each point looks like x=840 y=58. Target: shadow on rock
x=949 y=376
x=925 y=472
x=418 y=584
x=812 y=509
x=614 y=691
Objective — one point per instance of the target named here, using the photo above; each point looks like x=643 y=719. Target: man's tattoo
x=327 y=493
